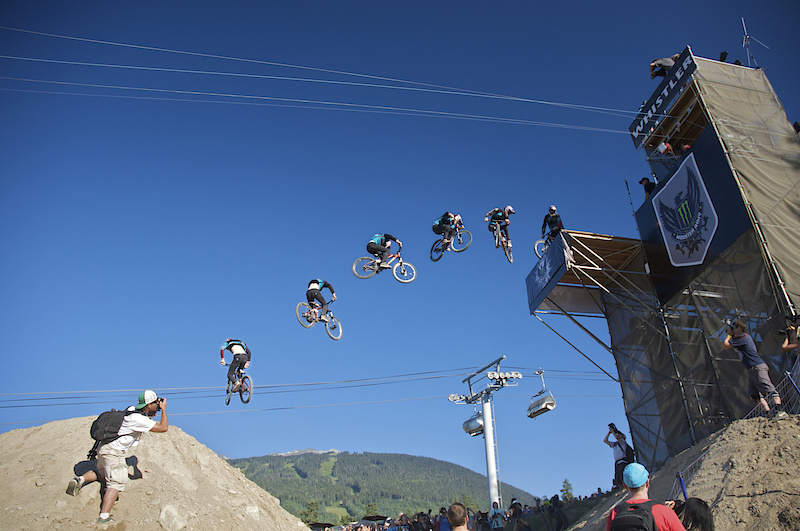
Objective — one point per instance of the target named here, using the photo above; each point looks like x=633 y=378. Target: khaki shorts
x=111 y=464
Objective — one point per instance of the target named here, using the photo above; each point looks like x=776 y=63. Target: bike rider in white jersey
x=241 y=358
x=500 y=216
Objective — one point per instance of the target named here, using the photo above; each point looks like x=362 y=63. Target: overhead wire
x=448 y=89
x=328 y=105
x=76 y=398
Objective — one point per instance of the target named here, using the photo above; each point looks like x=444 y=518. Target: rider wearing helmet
x=241 y=358
x=314 y=292
x=446 y=225
x=500 y=216
x=553 y=221
x=379 y=246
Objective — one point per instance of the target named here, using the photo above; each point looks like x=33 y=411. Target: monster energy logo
x=689 y=225
x=685 y=214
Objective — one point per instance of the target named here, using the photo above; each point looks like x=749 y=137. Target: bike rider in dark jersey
x=379 y=246
x=446 y=225
x=315 y=293
x=552 y=220
x=500 y=216
x=241 y=358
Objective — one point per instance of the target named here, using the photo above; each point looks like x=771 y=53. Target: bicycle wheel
x=404 y=272
x=334 y=328
x=246 y=390
x=461 y=241
x=437 y=250
x=228 y=393
x=303 y=313
x=540 y=247
x=364 y=267
x=509 y=254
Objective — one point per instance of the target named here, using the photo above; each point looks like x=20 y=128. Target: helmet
x=509 y=210
x=552 y=208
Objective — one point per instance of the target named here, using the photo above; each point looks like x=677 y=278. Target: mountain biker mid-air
x=379 y=247
x=552 y=220
x=446 y=225
x=500 y=216
x=241 y=359
x=314 y=292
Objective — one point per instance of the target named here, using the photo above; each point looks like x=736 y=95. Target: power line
x=439 y=88
x=326 y=105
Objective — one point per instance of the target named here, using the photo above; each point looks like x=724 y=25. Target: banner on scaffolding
x=698 y=213
x=547 y=272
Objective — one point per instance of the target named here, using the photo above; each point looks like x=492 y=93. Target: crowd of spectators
x=517 y=515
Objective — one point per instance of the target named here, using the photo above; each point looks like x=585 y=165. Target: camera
x=613 y=427
x=791 y=330
x=158 y=404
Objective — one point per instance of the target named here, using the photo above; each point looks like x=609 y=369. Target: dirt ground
x=178 y=484
x=749 y=473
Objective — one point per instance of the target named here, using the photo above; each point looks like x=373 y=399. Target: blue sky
x=140 y=228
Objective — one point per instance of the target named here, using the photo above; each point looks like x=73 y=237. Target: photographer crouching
x=112 y=470
x=623 y=454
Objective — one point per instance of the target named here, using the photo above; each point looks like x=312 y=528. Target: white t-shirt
x=237 y=349
x=133 y=426
x=619 y=450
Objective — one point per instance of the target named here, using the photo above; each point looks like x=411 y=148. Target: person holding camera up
x=790 y=343
x=111 y=465
x=623 y=453
x=760 y=387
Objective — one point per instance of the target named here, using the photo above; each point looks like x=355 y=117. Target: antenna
x=746 y=45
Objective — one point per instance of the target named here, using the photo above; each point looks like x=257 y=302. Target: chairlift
x=544 y=404
x=474 y=426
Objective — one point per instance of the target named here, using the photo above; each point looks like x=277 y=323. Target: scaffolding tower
x=719 y=241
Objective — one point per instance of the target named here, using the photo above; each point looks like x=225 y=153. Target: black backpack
x=105 y=429
x=634 y=517
x=629 y=455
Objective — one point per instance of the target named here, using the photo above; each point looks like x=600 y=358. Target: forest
x=344 y=484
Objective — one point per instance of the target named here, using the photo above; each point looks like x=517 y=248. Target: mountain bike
x=500 y=241
x=458 y=242
x=309 y=315
x=541 y=246
x=246 y=389
x=366 y=266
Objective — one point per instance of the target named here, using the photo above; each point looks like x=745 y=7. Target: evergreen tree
x=311 y=513
x=469 y=503
x=566 y=491
x=371 y=509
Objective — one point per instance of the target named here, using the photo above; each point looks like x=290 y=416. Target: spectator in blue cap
x=637 y=481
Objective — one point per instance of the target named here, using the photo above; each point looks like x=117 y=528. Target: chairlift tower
x=483 y=422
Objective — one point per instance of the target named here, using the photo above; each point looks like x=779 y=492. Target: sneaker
x=509 y=245
x=109 y=520
x=74 y=486
x=236 y=386
x=384 y=266
x=780 y=415
x=324 y=318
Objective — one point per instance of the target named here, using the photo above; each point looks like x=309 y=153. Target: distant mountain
x=346 y=482
x=306 y=451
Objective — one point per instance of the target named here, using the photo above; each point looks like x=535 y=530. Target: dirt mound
x=749 y=471
x=177 y=483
